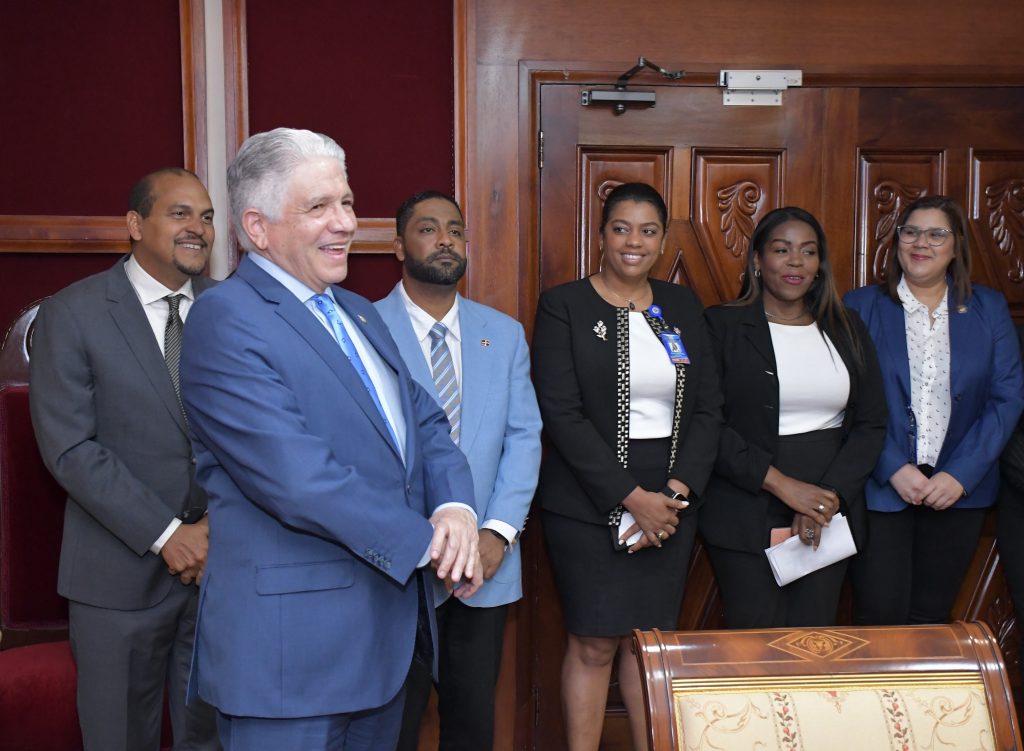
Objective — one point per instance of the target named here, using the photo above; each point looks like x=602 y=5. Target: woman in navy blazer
x=797 y=445
x=952 y=374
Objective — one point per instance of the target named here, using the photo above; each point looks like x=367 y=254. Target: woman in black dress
x=627 y=388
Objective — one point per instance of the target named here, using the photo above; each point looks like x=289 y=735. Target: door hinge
x=540 y=149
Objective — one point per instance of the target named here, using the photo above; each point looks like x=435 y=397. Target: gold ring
x=661 y=535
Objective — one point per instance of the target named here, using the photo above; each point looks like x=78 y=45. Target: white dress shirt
x=928 y=352
x=151 y=294
x=422 y=322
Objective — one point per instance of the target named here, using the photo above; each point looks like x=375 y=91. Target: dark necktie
x=442 y=369
x=172 y=341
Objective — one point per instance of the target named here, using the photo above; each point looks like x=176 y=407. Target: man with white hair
x=331 y=476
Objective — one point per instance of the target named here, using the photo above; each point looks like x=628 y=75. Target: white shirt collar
x=912 y=305
x=422 y=321
x=149 y=289
x=293 y=285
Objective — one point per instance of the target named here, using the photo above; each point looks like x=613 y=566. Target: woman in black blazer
x=626 y=383
x=805 y=419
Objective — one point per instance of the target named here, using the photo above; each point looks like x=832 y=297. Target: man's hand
x=492 y=552
x=453 y=548
x=185 y=551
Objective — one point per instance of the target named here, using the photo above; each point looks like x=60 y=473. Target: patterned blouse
x=928 y=352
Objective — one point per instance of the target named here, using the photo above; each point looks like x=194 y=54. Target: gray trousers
x=125 y=658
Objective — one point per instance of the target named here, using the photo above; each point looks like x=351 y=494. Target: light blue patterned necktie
x=442 y=368
x=326 y=305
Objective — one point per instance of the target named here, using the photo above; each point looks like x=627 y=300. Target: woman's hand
x=808 y=530
x=655 y=514
x=813 y=501
x=942 y=491
x=911 y=484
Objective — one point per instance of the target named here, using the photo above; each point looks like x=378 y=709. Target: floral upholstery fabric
x=873 y=718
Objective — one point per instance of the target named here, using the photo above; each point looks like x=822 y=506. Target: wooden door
x=852 y=156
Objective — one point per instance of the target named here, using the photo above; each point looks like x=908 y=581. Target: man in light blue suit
x=475 y=361
x=330 y=473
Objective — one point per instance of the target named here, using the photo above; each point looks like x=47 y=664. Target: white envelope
x=791 y=559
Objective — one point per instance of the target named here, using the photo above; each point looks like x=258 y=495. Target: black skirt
x=608 y=593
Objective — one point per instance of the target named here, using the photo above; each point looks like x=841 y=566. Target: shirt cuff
x=502 y=528
x=157 y=546
x=425 y=559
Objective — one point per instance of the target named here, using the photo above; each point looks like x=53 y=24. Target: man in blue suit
x=475 y=361
x=330 y=472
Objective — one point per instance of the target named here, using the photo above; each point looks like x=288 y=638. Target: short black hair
x=141 y=198
x=405 y=211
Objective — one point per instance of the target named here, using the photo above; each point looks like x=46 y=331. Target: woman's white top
x=928 y=352
x=814 y=384
x=652 y=382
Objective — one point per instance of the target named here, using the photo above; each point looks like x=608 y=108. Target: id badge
x=673 y=344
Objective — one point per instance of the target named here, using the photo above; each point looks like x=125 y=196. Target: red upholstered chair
x=37 y=672
x=31 y=508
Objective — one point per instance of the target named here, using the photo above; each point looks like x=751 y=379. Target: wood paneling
x=887 y=182
x=996 y=214
x=867 y=97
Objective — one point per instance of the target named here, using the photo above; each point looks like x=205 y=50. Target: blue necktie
x=442 y=368
x=325 y=304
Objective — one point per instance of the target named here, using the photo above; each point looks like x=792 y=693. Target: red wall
x=92 y=100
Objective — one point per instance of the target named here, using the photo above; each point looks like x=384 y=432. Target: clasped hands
x=814 y=505
x=655 y=514
x=455 y=550
x=185 y=551
x=939 y=492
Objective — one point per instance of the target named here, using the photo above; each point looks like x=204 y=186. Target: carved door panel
x=719 y=168
x=852 y=156
x=965 y=143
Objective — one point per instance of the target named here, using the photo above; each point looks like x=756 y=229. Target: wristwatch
x=499 y=535
x=674 y=495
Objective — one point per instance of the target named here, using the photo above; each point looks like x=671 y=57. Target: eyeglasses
x=935 y=236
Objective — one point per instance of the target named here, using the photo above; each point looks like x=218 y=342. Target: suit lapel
x=759 y=337
x=131 y=321
x=476 y=372
x=894 y=331
x=397 y=318
x=381 y=343
x=300 y=318
x=959 y=340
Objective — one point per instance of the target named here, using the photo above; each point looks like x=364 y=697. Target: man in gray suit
x=111 y=429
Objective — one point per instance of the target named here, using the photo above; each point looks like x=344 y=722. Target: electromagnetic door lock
x=757 y=88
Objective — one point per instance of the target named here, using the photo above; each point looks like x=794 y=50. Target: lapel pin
x=961 y=308
x=602 y=331
x=360 y=317
x=485 y=342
